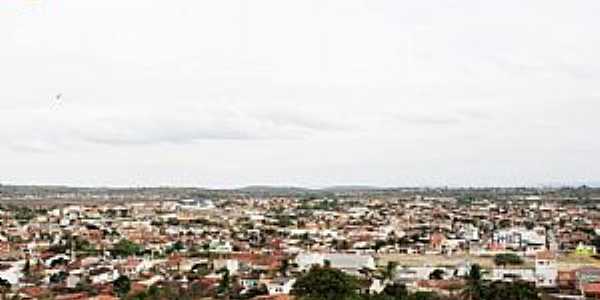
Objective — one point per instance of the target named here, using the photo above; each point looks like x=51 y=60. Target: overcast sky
x=313 y=93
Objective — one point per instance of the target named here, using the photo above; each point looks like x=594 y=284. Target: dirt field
x=572 y=261
x=565 y=263
x=433 y=260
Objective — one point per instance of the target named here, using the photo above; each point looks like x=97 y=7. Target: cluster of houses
x=260 y=246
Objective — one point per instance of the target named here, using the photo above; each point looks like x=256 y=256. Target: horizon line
x=305 y=187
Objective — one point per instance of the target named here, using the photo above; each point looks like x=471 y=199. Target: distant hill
x=273 y=189
x=27 y=192
x=292 y=189
x=353 y=188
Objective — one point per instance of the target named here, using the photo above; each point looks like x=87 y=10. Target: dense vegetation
x=125 y=248
x=504 y=259
x=323 y=283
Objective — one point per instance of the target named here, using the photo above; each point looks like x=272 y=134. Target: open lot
x=567 y=262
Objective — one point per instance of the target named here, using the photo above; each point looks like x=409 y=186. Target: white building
x=349 y=263
x=218 y=246
x=519 y=238
x=510 y=275
x=195 y=204
x=231 y=265
x=14 y=273
x=469 y=232
x=546 y=271
x=281 y=286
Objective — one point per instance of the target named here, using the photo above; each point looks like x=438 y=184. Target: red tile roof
x=591 y=288
x=546 y=255
x=73 y=296
x=104 y=297
x=34 y=291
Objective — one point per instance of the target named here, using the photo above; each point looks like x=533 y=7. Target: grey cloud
x=302 y=120
x=28 y=147
x=192 y=125
x=442 y=118
x=586 y=72
x=147 y=136
x=429 y=120
x=474 y=114
x=548 y=66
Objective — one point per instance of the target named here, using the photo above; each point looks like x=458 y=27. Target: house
x=469 y=232
x=104 y=297
x=12 y=272
x=281 y=286
x=249 y=281
x=218 y=246
x=195 y=204
x=133 y=266
x=72 y=296
x=532 y=240
x=519 y=238
x=102 y=275
x=231 y=265
x=437 y=241
x=546 y=271
x=587 y=275
x=585 y=250
x=591 y=290
x=567 y=280
x=511 y=275
x=73 y=279
x=440 y=286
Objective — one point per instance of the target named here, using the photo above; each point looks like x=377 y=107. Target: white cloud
x=65 y=125
x=311 y=92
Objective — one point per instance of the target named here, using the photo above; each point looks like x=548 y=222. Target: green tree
x=504 y=259
x=378 y=245
x=504 y=223
x=224 y=287
x=475 y=273
x=83 y=245
x=126 y=248
x=284 y=267
x=200 y=269
x=510 y=290
x=474 y=289
x=58 y=277
x=437 y=274
x=325 y=284
x=58 y=261
x=395 y=291
x=27 y=268
x=122 y=286
x=424 y=296
x=390 y=270
x=5 y=287
x=176 y=247
x=85 y=285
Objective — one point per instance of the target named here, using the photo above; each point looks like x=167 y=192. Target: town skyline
x=299 y=150
x=590 y=184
